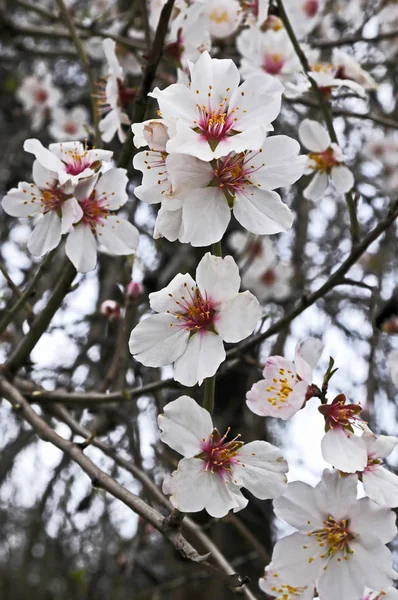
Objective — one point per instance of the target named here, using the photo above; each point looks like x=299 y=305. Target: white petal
x=311 y=351
x=205 y=215
x=176 y=291
x=303 y=369
x=316 y=187
x=257 y=102
x=224 y=497
x=264 y=471
x=169 y=224
x=342 y=579
x=109 y=125
x=342 y=178
x=46 y=234
x=221 y=76
x=238 y=317
x=298 y=507
x=261 y=400
x=118 y=235
x=336 y=494
x=217 y=277
x=381 y=486
x=112 y=185
x=188 y=172
x=184 y=425
x=22 y=202
x=71 y=213
x=109 y=47
x=278 y=163
x=344 y=451
x=262 y=212
x=373 y=522
x=158 y=340
x=81 y=249
x=296 y=558
x=42 y=177
x=314 y=136
x=201 y=359
x=379 y=446
x=374 y=564
x=44 y=156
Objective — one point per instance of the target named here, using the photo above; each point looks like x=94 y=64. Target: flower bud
x=156 y=135
x=111 y=310
x=135 y=289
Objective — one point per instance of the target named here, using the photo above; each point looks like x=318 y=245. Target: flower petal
x=262 y=211
x=46 y=234
x=298 y=507
x=373 y=522
x=112 y=187
x=314 y=136
x=158 y=340
x=170 y=297
x=317 y=186
x=296 y=558
x=201 y=359
x=278 y=163
x=381 y=486
x=205 y=215
x=218 y=278
x=169 y=224
x=71 y=213
x=342 y=178
x=344 y=451
x=118 y=235
x=46 y=158
x=238 y=317
x=22 y=202
x=81 y=249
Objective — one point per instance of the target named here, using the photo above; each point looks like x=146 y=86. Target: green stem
x=216 y=249
x=42 y=321
x=208 y=399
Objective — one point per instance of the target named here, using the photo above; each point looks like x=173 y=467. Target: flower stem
x=208 y=400
x=216 y=249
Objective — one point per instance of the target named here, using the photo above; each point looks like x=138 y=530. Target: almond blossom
x=189 y=34
x=303 y=15
x=70 y=162
x=224 y=17
x=215 y=115
x=194 y=320
x=272 y=585
x=99 y=197
x=67 y=124
x=341 y=448
x=39 y=98
x=380 y=484
x=213 y=469
x=349 y=68
x=256 y=12
x=285 y=386
x=46 y=198
x=243 y=183
x=326 y=159
x=340 y=542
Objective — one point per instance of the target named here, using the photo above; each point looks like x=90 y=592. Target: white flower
x=349 y=68
x=242 y=182
x=213 y=469
x=392 y=364
x=303 y=15
x=328 y=79
x=70 y=162
x=215 y=115
x=114 y=97
x=98 y=198
x=341 y=448
x=189 y=34
x=47 y=198
x=256 y=12
x=267 y=52
x=390 y=594
x=224 y=17
x=340 y=540
x=326 y=159
x=380 y=484
x=263 y=273
x=283 y=390
x=39 y=97
x=67 y=124
x=194 y=321
x=272 y=585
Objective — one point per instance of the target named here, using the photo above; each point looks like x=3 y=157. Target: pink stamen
x=218 y=454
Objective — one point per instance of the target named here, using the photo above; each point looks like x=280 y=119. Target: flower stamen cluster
x=335 y=536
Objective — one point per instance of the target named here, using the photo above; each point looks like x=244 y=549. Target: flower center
x=287 y=591
x=70 y=127
x=334 y=536
x=214 y=125
x=269 y=277
x=195 y=312
x=324 y=161
x=41 y=96
x=339 y=415
x=273 y=63
x=217 y=454
x=218 y=16
x=94 y=211
x=281 y=387
x=311 y=8
x=232 y=174
x=52 y=198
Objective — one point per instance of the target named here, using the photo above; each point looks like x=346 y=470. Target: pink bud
x=134 y=290
x=111 y=310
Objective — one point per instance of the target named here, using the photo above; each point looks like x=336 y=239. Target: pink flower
x=111 y=309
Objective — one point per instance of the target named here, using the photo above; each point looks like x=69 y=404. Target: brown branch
x=353 y=39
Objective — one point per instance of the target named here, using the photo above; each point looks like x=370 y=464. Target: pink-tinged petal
x=311 y=351
x=186 y=141
x=118 y=236
x=71 y=213
x=81 y=249
x=188 y=172
x=257 y=102
x=158 y=340
x=335 y=494
x=217 y=277
x=379 y=446
x=42 y=177
x=185 y=425
x=238 y=317
x=344 y=450
x=343 y=179
x=46 y=158
x=381 y=486
x=170 y=297
x=205 y=214
x=262 y=212
x=317 y=186
x=263 y=401
x=373 y=522
x=201 y=359
x=22 y=202
x=278 y=163
x=169 y=224
x=112 y=186
x=314 y=136
x=299 y=508
x=261 y=469
x=343 y=579
x=46 y=234
x=297 y=558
